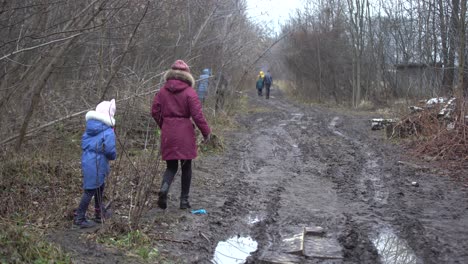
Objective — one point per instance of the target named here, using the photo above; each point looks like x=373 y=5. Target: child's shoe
x=99 y=217
x=84 y=223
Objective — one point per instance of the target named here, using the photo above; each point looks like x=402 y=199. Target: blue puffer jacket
x=98 y=146
x=203 y=83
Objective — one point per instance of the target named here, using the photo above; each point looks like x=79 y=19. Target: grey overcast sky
x=272 y=12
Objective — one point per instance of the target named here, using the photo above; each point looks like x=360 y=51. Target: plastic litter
x=199 y=211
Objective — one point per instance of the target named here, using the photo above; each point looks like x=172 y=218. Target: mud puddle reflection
x=392 y=249
x=234 y=250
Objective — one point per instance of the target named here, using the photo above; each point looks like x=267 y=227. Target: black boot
x=184 y=203
x=162 y=201
x=168 y=176
x=186 y=181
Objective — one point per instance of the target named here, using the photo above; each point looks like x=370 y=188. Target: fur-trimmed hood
x=180 y=75
x=106 y=119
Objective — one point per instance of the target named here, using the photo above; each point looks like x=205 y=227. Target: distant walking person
x=268 y=81
x=259 y=84
x=174 y=107
x=261 y=74
x=98 y=145
x=203 y=85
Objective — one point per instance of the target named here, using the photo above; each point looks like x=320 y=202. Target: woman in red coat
x=174 y=108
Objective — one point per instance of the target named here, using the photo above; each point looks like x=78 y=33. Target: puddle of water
x=234 y=250
x=392 y=249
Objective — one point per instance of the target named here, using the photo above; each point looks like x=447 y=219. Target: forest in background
x=63 y=57
x=60 y=58
x=358 y=50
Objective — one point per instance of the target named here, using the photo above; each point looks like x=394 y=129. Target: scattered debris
x=312 y=242
x=415 y=109
x=448 y=109
x=381 y=123
x=415 y=184
x=412 y=165
x=434 y=101
x=314 y=231
x=199 y=212
x=205 y=237
x=438 y=132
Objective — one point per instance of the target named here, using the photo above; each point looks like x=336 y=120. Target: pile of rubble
x=425 y=119
x=436 y=127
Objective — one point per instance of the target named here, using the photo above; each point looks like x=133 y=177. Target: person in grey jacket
x=202 y=90
x=267 y=81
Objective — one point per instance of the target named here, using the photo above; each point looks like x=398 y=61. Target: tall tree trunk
x=452 y=43
x=461 y=67
x=320 y=71
x=443 y=35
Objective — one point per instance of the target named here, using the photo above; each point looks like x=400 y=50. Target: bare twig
x=48 y=124
x=39 y=46
x=130 y=39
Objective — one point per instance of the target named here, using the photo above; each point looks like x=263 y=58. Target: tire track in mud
x=337 y=160
x=319 y=204
x=376 y=201
x=293 y=166
x=292 y=188
x=290 y=166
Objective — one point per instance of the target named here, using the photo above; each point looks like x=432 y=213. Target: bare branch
x=39 y=46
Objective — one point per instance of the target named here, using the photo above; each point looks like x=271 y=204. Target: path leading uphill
x=289 y=167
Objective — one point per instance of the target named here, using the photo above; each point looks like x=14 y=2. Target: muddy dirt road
x=290 y=167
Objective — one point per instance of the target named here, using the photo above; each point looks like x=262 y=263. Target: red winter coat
x=174 y=107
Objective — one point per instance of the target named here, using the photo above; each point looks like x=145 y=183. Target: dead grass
x=20 y=243
x=40 y=189
x=42 y=185
x=435 y=139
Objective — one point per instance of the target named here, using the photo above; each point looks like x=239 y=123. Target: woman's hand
x=207 y=139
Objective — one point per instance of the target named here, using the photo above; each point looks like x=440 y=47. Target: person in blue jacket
x=259 y=85
x=202 y=90
x=98 y=147
x=268 y=81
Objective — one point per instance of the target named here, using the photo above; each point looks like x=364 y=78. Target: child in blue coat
x=203 y=85
x=259 y=84
x=98 y=146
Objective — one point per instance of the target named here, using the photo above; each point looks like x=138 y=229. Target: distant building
x=418 y=79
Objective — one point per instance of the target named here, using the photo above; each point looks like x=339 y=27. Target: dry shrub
x=435 y=138
x=20 y=243
x=448 y=145
x=421 y=124
x=38 y=190
x=366 y=105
